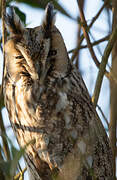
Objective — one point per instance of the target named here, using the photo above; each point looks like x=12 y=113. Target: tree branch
x=103 y=115
x=3 y=12
x=84 y=28
x=3 y=132
x=101 y=72
x=92 y=44
x=78 y=38
x=90 y=25
x=20 y=174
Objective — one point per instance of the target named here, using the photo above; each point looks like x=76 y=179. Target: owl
x=48 y=102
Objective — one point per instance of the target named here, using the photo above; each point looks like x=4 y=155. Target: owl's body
x=47 y=101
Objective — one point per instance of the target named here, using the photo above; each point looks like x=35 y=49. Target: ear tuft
x=49 y=17
x=13 y=22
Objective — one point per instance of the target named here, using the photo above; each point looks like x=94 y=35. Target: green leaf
x=8 y=168
x=4 y=168
x=20 y=14
x=42 y=4
x=17 y=154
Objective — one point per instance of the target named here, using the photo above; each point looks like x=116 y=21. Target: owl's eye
x=19 y=57
x=52 y=52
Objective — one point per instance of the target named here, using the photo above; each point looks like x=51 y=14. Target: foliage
x=8 y=167
x=41 y=4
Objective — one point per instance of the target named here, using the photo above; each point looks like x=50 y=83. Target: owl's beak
x=49 y=18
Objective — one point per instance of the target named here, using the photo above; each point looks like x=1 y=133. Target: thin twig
x=4 y=140
x=78 y=52
x=99 y=12
x=78 y=37
x=99 y=108
x=113 y=90
x=90 y=25
x=3 y=12
x=5 y=143
x=92 y=44
x=84 y=27
x=21 y=173
x=101 y=72
x=98 y=47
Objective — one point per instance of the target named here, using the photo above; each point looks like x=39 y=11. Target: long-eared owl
x=48 y=101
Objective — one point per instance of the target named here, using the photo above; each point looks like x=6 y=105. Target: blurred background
x=99 y=18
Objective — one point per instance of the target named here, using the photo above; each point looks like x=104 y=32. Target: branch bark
x=78 y=39
x=92 y=44
x=113 y=93
x=88 y=28
x=104 y=61
x=5 y=143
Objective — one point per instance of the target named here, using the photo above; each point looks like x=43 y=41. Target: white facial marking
x=82 y=146
x=73 y=134
x=90 y=161
x=62 y=102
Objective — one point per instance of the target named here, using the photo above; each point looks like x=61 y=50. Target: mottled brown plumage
x=48 y=101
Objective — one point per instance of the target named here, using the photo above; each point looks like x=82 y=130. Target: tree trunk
x=113 y=94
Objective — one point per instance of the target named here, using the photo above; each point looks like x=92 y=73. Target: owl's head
x=35 y=50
